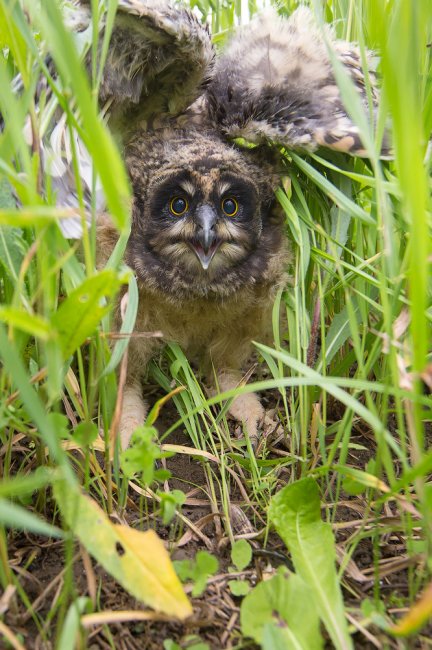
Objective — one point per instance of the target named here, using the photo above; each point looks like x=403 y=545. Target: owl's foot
x=260 y=429
x=271 y=427
x=134 y=411
x=246 y=409
x=259 y=424
x=249 y=412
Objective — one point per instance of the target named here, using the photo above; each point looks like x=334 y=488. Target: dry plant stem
x=389 y=566
x=364 y=631
x=229 y=628
x=118 y=336
x=10 y=637
x=113 y=433
x=40 y=599
x=111 y=616
x=90 y=575
x=26 y=263
x=311 y=353
x=69 y=411
x=39 y=376
x=119 y=403
x=7 y=599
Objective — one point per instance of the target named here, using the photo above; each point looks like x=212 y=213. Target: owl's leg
x=246 y=409
x=134 y=411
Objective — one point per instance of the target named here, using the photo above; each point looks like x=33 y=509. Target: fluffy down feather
x=275 y=83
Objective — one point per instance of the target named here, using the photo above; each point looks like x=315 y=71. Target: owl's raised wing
x=275 y=82
x=158 y=59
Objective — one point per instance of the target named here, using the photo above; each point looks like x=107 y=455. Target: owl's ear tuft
x=276 y=82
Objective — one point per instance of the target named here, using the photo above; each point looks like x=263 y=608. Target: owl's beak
x=206 y=242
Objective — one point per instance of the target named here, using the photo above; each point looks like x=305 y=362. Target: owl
x=202 y=134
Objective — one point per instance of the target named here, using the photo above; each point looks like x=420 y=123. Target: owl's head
x=203 y=212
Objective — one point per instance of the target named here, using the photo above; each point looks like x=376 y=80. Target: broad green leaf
x=18 y=518
x=239 y=587
x=12 y=249
x=284 y=600
x=142 y=454
x=280 y=637
x=138 y=560
x=6 y=196
x=85 y=433
x=169 y=503
x=79 y=315
x=30 y=323
x=241 y=554
x=296 y=514
x=169 y=644
x=205 y=566
x=23 y=485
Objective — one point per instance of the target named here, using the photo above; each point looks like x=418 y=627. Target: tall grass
x=350 y=367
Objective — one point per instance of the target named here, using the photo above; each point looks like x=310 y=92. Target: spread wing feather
x=275 y=82
x=160 y=56
x=158 y=60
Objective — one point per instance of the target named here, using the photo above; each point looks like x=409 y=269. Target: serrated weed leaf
x=137 y=560
x=295 y=513
x=81 y=312
x=283 y=601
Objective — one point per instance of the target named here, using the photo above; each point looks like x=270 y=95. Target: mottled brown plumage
x=275 y=82
x=213 y=312
x=208 y=280
x=207 y=242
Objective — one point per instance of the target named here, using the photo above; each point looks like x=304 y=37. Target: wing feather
x=275 y=82
x=159 y=58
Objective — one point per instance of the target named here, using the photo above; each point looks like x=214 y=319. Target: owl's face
x=200 y=212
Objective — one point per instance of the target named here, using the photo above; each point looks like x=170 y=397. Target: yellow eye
x=178 y=206
x=230 y=207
